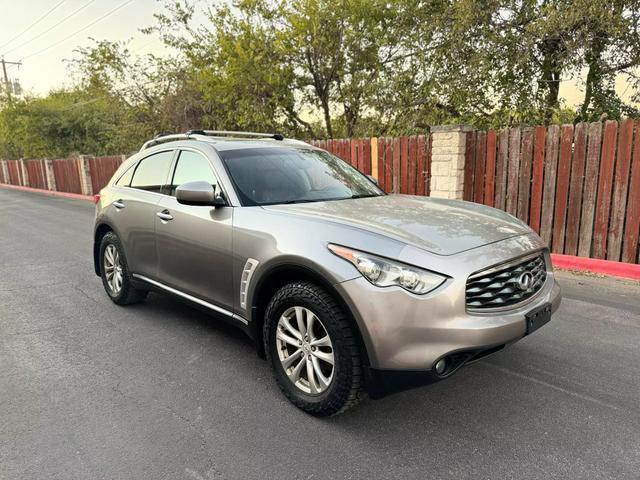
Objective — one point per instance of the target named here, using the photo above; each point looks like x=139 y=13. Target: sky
x=43 y=48
x=43 y=70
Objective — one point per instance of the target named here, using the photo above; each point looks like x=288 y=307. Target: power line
x=79 y=31
x=82 y=7
x=33 y=24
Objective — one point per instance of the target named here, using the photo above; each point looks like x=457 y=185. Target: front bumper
x=410 y=333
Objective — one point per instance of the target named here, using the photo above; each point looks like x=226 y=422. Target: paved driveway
x=90 y=390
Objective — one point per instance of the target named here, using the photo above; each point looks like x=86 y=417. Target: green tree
x=63 y=122
x=261 y=63
x=503 y=61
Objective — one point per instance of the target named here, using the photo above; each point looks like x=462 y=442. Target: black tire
x=127 y=294
x=346 y=387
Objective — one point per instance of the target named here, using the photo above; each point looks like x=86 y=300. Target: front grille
x=504 y=285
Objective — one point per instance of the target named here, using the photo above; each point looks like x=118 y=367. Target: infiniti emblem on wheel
x=525 y=281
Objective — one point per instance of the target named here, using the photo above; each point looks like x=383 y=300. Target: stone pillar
x=85 y=175
x=447 y=160
x=49 y=175
x=43 y=172
x=5 y=171
x=24 y=173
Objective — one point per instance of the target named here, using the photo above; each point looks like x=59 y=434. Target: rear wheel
x=115 y=272
x=313 y=350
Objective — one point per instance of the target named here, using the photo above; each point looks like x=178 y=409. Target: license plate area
x=537 y=317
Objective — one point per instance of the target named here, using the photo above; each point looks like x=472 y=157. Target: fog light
x=440 y=366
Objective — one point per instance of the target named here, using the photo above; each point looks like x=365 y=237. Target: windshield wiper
x=289 y=202
x=313 y=200
x=365 y=195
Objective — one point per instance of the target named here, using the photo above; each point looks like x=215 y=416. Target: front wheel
x=115 y=272
x=313 y=350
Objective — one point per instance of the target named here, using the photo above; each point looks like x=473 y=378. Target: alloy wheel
x=305 y=350
x=113 y=268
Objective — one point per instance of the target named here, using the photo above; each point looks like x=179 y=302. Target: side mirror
x=198 y=193
x=373 y=179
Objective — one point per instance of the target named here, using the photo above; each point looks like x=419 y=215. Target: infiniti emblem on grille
x=525 y=281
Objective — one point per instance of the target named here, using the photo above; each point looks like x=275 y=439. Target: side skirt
x=226 y=315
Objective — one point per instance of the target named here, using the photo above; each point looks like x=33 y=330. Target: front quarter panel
x=276 y=239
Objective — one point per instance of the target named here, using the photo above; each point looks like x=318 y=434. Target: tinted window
x=125 y=180
x=191 y=167
x=151 y=173
x=293 y=175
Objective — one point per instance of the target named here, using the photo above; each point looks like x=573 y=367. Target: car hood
x=440 y=226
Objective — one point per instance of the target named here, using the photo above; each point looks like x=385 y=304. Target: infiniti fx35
x=343 y=288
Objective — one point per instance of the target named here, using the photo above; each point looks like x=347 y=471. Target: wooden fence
x=14 y=172
x=577 y=186
x=67 y=175
x=67 y=172
x=401 y=164
x=101 y=169
x=36 y=173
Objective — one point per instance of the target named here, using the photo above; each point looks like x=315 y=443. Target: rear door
x=139 y=190
x=194 y=241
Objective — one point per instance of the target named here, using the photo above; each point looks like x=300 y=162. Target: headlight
x=385 y=273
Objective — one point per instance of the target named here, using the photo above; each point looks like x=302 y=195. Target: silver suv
x=343 y=288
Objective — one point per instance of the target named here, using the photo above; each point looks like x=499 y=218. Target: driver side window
x=191 y=167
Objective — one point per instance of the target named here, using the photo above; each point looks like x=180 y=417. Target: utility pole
x=7 y=84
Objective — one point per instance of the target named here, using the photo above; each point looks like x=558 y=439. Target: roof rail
x=164 y=138
x=161 y=138
x=229 y=133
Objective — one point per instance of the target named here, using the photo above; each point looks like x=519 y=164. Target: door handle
x=118 y=204
x=165 y=215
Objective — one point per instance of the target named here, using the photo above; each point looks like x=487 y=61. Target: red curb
x=75 y=196
x=604 y=267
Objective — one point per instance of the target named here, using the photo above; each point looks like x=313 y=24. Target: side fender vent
x=245 y=280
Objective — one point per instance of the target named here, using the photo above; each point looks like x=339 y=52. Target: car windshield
x=269 y=176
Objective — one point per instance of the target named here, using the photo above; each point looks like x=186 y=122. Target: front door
x=194 y=242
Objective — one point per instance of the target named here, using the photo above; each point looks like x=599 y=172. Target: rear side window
x=191 y=167
x=125 y=180
x=151 y=173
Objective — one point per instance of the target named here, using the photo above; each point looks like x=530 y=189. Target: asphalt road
x=90 y=390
